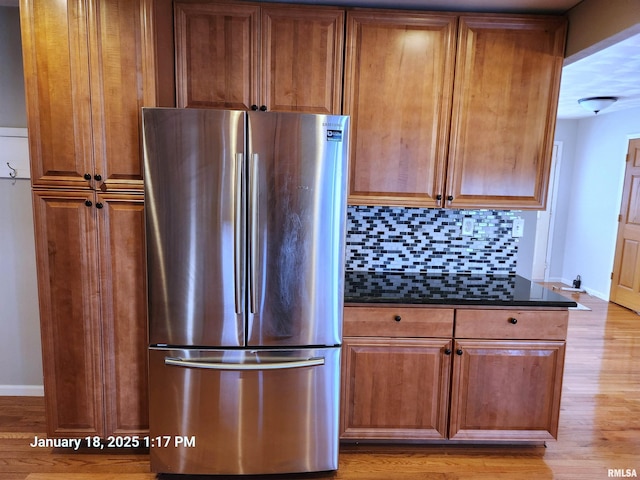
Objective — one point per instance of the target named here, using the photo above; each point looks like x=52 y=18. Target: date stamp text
x=126 y=441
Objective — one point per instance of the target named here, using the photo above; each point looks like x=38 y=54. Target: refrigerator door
x=244 y=412
x=297 y=168
x=193 y=161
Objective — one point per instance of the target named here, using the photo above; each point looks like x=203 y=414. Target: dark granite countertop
x=449 y=289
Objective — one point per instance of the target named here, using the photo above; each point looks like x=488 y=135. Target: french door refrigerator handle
x=253 y=241
x=308 y=362
x=238 y=260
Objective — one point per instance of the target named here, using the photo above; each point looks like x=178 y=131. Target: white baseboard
x=590 y=291
x=554 y=280
x=566 y=281
x=595 y=293
x=21 y=391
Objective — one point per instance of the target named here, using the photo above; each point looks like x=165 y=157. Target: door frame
x=545 y=242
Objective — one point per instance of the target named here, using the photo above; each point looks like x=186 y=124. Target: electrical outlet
x=517 y=229
x=468 y=225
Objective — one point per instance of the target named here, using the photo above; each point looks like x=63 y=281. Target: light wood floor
x=599 y=426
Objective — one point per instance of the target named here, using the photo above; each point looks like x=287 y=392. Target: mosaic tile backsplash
x=430 y=240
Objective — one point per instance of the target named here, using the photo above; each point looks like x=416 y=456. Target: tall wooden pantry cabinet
x=88 y=73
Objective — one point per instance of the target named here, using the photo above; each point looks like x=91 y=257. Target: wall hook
x=14 y=172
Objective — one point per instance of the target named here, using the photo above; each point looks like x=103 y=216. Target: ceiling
x=612 y=71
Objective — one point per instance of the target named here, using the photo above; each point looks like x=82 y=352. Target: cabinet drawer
x=397 y=322
x=512 y=324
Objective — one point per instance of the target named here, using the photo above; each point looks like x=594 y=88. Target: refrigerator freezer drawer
x=244 y=411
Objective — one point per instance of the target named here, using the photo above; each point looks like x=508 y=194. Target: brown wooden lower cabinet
x=496 y=389
x=91 y=281
x=395 y=388
x=66 y=253
x=123 y=281
x=506 y=390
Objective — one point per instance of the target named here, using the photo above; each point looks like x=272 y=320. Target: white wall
x=12 y=107
x=566 y=131
x=20 y=352
x=590 y=195
x=526 y=244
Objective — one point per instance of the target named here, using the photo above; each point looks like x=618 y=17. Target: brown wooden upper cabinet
x=244 y=56
x=505 y=102
x=83 y=61
x=398 y=88
x=423 y=135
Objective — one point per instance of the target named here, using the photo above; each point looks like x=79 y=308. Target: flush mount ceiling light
x=595 y=104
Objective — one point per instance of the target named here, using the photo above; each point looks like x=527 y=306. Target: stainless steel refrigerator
x=245 y=225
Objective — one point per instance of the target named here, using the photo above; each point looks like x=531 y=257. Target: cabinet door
x=84 y=97
x=398 y=87
x=216 y=55
x=504 y=109
x=124 y=320
x=302 y=59
x=117 y=76
x=506 y=390
x=67 y=259
x=395 y=389
x=56 y=72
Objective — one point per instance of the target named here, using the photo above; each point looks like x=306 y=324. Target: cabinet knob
x=99 y=205
x=254 y=107
x=88 y=203
x=397 y=318
x=87 y=176
x=459 y=351
x=447 y=351
x=263 y=108
x=450 y=198
x=97 y=177
x=438 y=197
x=513 y=320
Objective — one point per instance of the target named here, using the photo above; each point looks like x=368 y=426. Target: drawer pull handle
x=459 y=351
x=397 y=318
x=447 y=351
x=513 y=321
